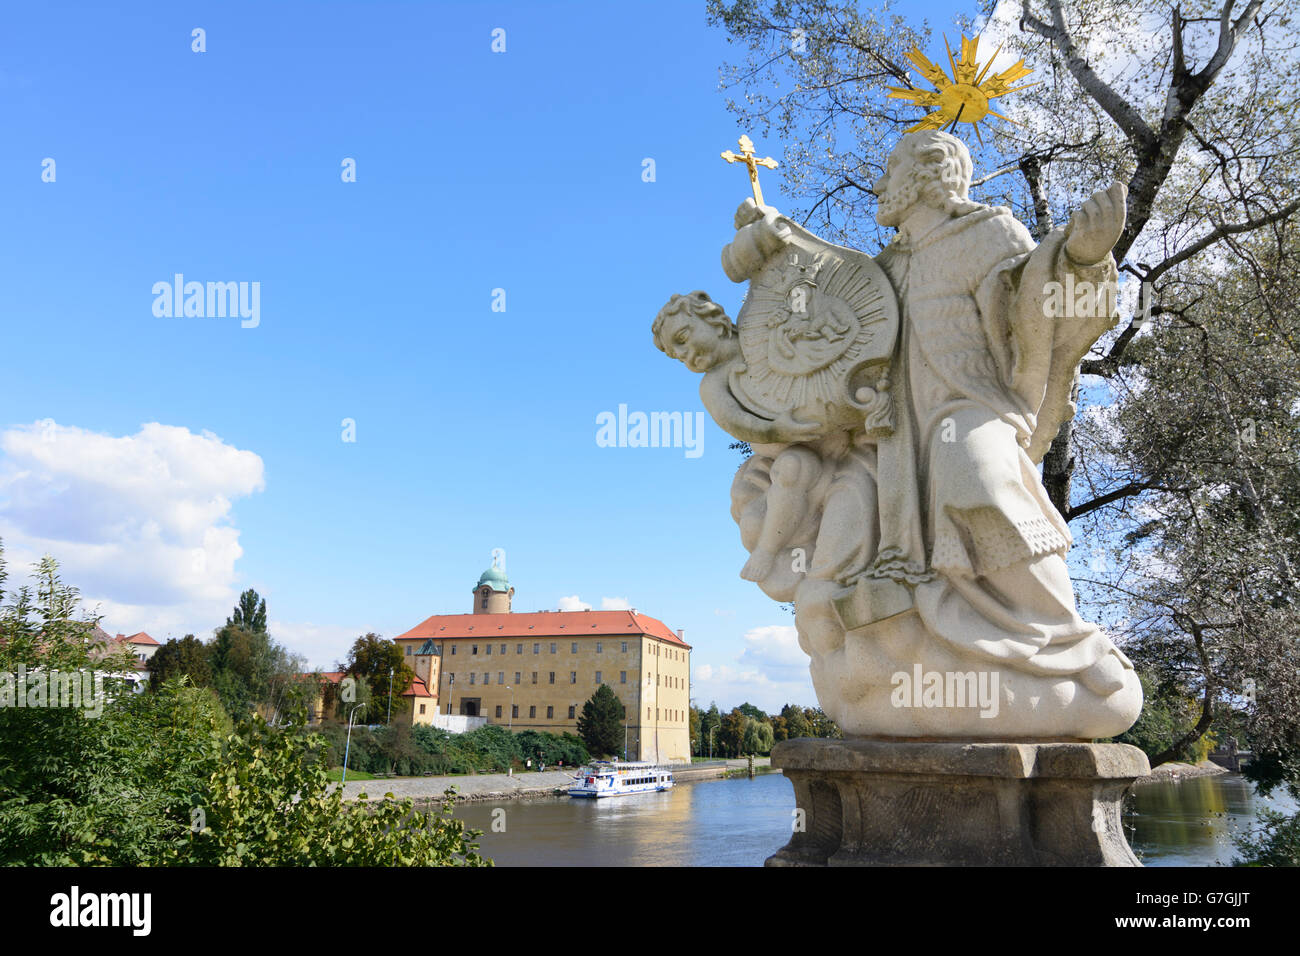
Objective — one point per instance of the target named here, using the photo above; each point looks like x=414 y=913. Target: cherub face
x=692 y=341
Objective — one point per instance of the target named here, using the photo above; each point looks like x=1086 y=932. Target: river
x=740 y=822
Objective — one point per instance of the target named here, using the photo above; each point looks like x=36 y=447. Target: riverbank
x=495 y=787
x=1181 y=771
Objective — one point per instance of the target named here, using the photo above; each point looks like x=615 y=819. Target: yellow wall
x=653 y=680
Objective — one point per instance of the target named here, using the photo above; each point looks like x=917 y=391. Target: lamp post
x=510 y=721
x=390 y=696
x=348 y=746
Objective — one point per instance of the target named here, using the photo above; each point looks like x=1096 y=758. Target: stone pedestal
x=907 y=803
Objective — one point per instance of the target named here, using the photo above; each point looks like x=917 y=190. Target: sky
x=432 y=343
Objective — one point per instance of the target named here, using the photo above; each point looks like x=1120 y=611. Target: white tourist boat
x=614 y=778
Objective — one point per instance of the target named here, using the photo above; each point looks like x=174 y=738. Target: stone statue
x=897 y=407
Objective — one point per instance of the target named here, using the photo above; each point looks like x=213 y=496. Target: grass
x=336 y=774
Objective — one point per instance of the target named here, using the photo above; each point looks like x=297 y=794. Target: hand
x=747 y=212
x=1096 y=226
x=791 y=429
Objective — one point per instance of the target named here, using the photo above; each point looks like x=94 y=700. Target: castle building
x=535 y=670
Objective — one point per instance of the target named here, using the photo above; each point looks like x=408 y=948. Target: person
x=697 y=332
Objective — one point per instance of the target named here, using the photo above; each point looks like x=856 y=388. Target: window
x=498 y=710
x=647 y=713
x=573 y=677
x=517 y=676
x=534 y=677
x=599 y=647
x=532 y=711
x=598 y=677
x=573 y=649
x=537 y=648
x=487 y=678
x=484 y=604
x=622 y=677
x=453 y=648
x=571 y=710
x=472 y=675
x=408 y=650
x=519 y=648
x=474 y=650
x=514 y=710
x=625 y=647
x=503 y=648
x=501 y=677
x=422 y=708
x=488 y=650
x=552 y=647
x=550 y=711
x=552 y=677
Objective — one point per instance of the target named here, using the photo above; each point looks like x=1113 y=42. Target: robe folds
x=981 y=383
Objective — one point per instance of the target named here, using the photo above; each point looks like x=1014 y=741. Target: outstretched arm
x=744 y=424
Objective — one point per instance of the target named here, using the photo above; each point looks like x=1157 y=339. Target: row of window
x=668 y=713
x=673 y=654
x=532 y=711
x=501 y=677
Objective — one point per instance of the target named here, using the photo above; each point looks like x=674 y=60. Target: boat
x=615 y=778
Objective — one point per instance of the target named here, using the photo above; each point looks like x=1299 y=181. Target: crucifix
x=746 y=156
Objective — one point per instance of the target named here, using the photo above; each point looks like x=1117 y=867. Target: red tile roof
x=139 y=638
x=541 y=624
x=418 y=688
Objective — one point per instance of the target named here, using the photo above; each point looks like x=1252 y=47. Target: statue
x=897 y=407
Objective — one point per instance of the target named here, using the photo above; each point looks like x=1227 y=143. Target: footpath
x=501 y=786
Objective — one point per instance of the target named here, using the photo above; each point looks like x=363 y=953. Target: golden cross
x=747 y=157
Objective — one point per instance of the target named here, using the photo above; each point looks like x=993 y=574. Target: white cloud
x=615 y=604
x=773 y=672
x=140 y=523
x=323 y=645
x=573 y=603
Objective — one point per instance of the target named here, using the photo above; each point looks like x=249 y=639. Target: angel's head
x=695 y=330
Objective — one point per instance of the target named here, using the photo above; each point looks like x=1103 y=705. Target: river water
x=740 y=822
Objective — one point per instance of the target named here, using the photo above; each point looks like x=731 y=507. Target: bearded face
x=898 y=189
x=930 y=167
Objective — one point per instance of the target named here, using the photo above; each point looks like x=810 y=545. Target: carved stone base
x=907 y=803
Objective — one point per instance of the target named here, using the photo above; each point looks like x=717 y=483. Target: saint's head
x=696 y=331
x=930 y=167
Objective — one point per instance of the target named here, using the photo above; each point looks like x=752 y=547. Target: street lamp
x=510 y=721
x=348 y=746
x=390 y=696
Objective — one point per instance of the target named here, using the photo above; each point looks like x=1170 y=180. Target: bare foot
x=759 y=566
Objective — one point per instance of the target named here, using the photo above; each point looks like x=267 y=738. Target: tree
x=731 y=736
x=694 y=730
x=600 y=725
x=757 y=737
x=710 y=725
x=250 y=671
x=749 y=710
x=249 y=613
x=796 y=723
x=373 y=659
x=187 y=656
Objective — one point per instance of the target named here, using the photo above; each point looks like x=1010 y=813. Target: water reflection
x=1192 y=822
x=741 y=822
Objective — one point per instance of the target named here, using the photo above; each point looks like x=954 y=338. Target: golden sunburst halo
x=965 y=97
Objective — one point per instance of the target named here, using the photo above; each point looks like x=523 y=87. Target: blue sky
x=171 y=462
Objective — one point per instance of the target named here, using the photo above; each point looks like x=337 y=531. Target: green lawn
x=336 y=774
